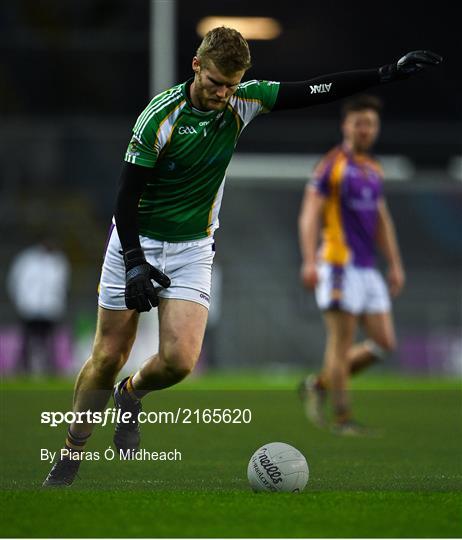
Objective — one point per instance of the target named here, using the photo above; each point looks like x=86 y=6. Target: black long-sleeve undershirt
x=133 y=180
x=324 y=89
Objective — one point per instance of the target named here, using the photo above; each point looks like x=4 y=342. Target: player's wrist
x=390 y=73
x=396 y=270
x=396 y=264
x=133 y=257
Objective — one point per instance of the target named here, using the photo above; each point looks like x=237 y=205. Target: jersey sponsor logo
x=367 y=193
x=362 y=205
x=365 y=200
x=187 y=130
x=204 y=123
x=320 y=88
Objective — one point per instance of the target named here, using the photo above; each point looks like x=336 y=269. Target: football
x=278 y=466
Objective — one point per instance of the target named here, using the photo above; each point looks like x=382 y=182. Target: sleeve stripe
x=249 y=83
x=158 y=100
x=250 y=100
x=147 y=114
x=247 y=108
x=165 y=129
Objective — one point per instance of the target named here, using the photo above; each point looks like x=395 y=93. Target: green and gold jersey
x=189 y=151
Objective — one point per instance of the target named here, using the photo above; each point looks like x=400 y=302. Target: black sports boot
x=127 y=435
x=62 y=473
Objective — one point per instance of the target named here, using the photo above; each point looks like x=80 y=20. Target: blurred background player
x=38 y=284
x=346 y=204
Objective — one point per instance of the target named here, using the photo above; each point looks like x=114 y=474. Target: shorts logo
x=205 y=297
x=187 y=130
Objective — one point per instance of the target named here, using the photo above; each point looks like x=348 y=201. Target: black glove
x=410 y=63
x=140 y=293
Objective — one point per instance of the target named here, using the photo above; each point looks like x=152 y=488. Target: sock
x=128 y=387
x=342 y=416
x=75 y=443
x=321 y=382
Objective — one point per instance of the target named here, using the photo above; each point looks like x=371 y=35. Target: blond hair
x=227 y=49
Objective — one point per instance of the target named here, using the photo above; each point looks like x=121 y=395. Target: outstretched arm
x=327 y=88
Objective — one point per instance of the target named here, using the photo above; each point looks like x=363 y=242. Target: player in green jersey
x=161 y=246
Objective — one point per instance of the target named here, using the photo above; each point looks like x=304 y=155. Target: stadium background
x=75 y=75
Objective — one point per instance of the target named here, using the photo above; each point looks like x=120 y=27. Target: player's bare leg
x=181 y=332
x=115 y=334
x=313 y=395
x=381 y=340
x=341 y=328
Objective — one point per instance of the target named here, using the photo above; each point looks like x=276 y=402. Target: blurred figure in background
x=37 y=283
x=345 y=202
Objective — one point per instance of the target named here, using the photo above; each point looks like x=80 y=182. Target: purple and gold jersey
x=352 y=186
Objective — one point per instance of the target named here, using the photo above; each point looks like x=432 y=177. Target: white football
x=278 y=467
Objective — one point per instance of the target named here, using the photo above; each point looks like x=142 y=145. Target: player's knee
x=178 y=372
x=382 y=347
x=179 y=363
x=389 y=344
x=108 y=360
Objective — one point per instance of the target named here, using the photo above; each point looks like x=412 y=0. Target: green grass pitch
x=405 y=483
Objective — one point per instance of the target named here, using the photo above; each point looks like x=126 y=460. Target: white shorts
x=187 y=264
x=352 y=289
